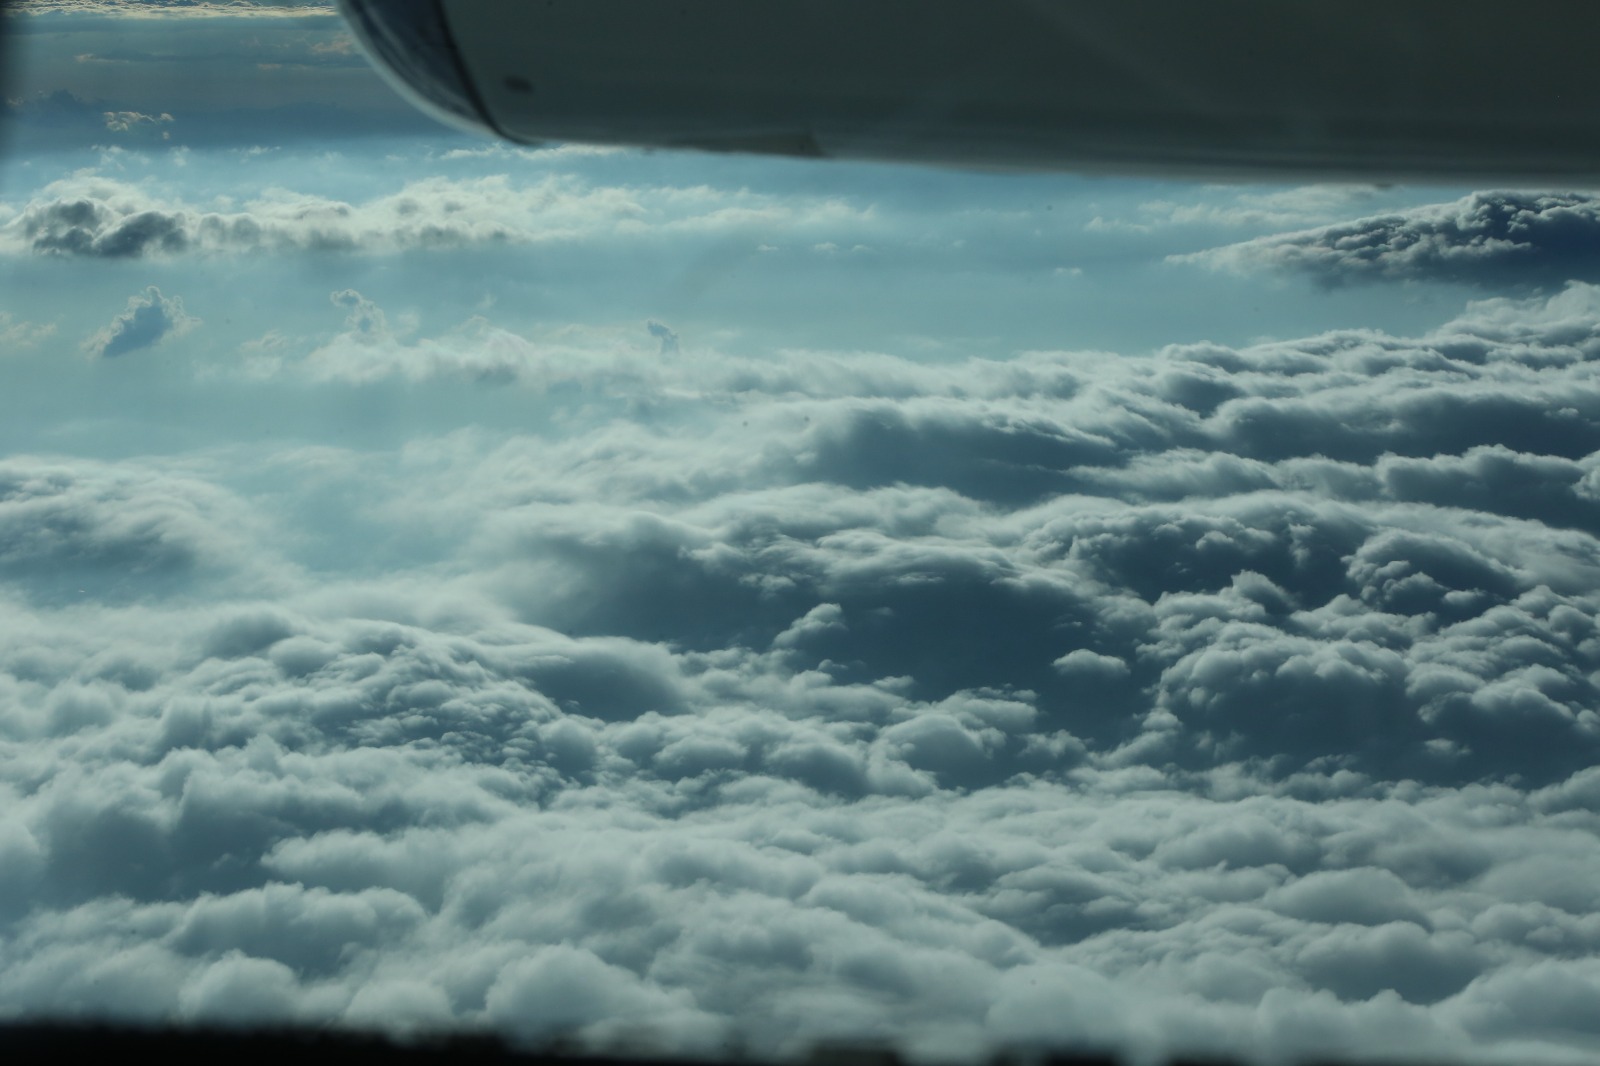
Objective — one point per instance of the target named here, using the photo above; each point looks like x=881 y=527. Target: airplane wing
x=1403 y=89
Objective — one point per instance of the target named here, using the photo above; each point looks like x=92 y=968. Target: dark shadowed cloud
x=1497 y=240
x=150 y=319
x=665 y=334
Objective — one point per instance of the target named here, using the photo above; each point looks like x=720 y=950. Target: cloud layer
x=1232 y=700
x=1491 y=239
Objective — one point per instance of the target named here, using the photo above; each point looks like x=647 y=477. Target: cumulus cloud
x=1277 y=562
x=1223 y=700
x=150 y=319
x=1491 y=239
x=98 y=217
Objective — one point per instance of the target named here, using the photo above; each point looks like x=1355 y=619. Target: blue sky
x=649 y=596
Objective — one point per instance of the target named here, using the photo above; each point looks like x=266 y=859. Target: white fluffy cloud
x=1232 y=700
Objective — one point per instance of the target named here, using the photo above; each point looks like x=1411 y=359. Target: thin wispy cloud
x=18 y=334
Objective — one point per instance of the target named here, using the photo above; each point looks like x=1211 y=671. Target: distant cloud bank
x=149 y=9
x=105 y=218
x=1492 y=239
